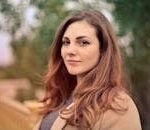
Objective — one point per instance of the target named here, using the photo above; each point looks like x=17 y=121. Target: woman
x=84 y=82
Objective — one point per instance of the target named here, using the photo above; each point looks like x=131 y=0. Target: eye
x=84 y=42
x=65 y=42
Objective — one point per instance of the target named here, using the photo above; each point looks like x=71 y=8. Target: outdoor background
x=27 y=28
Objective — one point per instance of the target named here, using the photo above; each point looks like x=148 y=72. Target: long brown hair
x=96 y=92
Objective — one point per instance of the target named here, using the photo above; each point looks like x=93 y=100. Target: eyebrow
x=81 y=37
x=78 y=38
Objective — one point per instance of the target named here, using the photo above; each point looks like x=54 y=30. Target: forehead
x=79 y=28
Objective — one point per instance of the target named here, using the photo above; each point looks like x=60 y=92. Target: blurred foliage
x=52 y=12
x=12 y=16
x=134 y=16
x=31 y=55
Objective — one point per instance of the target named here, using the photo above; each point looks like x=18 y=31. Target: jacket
x=111 y=120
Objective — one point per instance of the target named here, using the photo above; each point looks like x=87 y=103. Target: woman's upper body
x=85 y=63
x=110 y=120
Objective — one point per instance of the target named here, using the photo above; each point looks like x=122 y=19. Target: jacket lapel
x=60 y=123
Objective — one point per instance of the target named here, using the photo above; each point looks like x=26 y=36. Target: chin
x=73 y=72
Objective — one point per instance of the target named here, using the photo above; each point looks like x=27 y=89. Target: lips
x=72 y=62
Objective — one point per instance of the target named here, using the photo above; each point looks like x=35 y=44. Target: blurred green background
x=27 y=29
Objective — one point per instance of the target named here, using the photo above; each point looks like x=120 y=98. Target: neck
x=79 y=78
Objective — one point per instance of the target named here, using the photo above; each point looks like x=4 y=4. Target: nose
x=71 y=49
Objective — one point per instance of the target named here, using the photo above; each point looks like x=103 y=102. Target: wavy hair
x=98 y=89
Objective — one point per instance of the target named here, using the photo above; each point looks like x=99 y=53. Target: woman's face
x=80 y=48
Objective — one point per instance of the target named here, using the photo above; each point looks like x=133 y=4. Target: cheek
x=92 y=53
x=93 y=58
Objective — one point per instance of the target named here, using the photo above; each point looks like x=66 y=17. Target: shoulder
x=121 y=119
